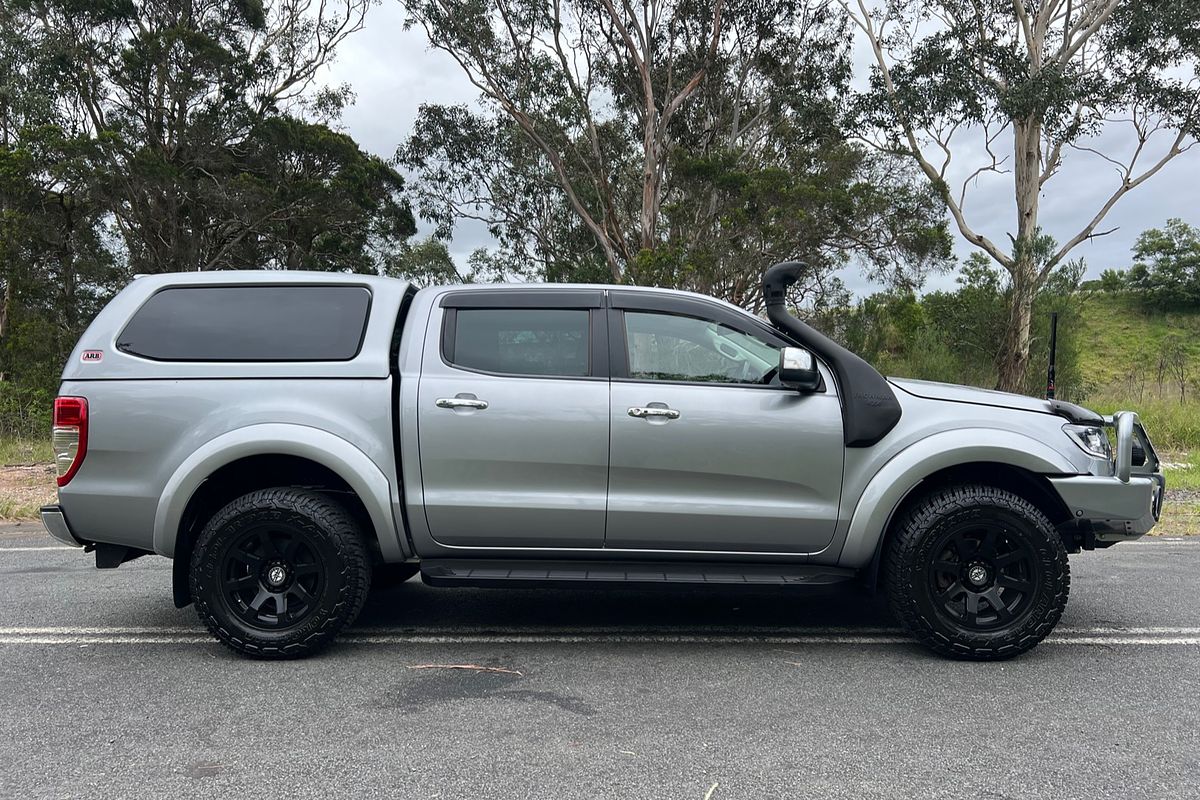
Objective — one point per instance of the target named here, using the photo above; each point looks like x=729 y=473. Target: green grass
x=25 y=451
x=1123 y=342
x=1173 y=426
x=18 y=510
x=1120 y=362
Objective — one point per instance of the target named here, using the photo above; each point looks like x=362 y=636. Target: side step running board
x=509 y=572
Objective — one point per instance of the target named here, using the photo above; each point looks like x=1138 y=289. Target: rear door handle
x=461 y=402
x=651 y=411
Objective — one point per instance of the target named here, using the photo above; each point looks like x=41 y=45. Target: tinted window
x=249 y=323
x=527 y=341
x=666 y=347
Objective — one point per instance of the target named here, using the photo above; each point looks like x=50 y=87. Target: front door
x=513 y=420
x=709 y=452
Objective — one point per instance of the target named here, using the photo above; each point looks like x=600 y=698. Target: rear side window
x=249 y=323
x=519 y=341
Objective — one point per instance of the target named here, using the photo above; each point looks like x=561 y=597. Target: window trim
x=516 y=299
x=598 y=361
x=362 y=336
x=699 y=308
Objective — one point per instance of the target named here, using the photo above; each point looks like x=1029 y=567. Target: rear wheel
x=278 y=573
x=977 y=572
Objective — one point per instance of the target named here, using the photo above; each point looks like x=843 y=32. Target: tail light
x=69 y=436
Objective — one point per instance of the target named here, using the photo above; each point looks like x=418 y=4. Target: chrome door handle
x=461 y=402
x=643 y=413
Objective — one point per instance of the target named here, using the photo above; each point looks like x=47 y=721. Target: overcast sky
x=393 y=71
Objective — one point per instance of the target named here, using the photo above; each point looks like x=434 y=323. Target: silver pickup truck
x=286 y=437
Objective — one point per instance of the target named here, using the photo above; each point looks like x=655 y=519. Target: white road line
x=1144 y=637
x=714 y=631
x=1094 y=641
x=35 y=549
x=585 y=632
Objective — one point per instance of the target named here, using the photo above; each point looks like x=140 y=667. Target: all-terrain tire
x=306 y=541
x=976 y=572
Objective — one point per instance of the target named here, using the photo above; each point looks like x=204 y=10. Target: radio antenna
x=1053 y=347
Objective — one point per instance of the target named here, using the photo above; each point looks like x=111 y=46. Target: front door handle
x=646 y=412
x=461 y=402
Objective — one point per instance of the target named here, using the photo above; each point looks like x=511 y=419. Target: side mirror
x=798 y=369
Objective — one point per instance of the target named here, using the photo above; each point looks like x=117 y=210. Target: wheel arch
x=1031 y=486
x=996 y=458
x=261 y=457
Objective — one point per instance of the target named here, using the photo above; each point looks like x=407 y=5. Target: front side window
x=521 y=341
x=668 y=347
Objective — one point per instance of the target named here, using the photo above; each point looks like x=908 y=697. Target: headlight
x=1091 y=438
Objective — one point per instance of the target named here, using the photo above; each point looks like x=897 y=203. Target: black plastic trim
x=111 y=556
x=524 y=298
x=698 y=308
x=725 y=574
x=397 y=449
x=869 y=406
x=1076 y=414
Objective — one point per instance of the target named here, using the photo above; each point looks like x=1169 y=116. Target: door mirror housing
x=798 y=369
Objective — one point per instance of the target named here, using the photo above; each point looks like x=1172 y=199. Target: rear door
x=709 y=452
x=513 y=419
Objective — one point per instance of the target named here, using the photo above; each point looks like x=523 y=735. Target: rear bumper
x=1111 y=509
x=55 y=523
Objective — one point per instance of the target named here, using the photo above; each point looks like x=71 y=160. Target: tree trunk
x=649 y=216
x=1013 y=359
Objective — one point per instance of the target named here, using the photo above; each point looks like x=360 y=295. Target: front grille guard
x=1132 y=436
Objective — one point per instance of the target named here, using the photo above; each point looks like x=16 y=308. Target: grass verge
x=25 y=451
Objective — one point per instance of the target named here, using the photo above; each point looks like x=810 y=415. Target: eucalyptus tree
x=213 y=127
x=685 y=143
x=1018 y=87
x=55 y=265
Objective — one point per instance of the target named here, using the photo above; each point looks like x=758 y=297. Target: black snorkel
x=869 y=406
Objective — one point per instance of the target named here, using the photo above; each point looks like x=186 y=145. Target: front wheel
x=977 y=572
x=278 y=573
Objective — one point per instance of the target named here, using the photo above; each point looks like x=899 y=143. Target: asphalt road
x=106 y=690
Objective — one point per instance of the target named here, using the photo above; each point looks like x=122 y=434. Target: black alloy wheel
x=983 y=577
x=272 y=576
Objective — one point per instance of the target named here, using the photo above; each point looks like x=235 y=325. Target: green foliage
x=1167 y=270
x=1113 y=280
x=582 y=172
x=25 y=410
x=426 y=263
x=204 y=156
x=1173 y=426
x=957 y=336
x=31 y=450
